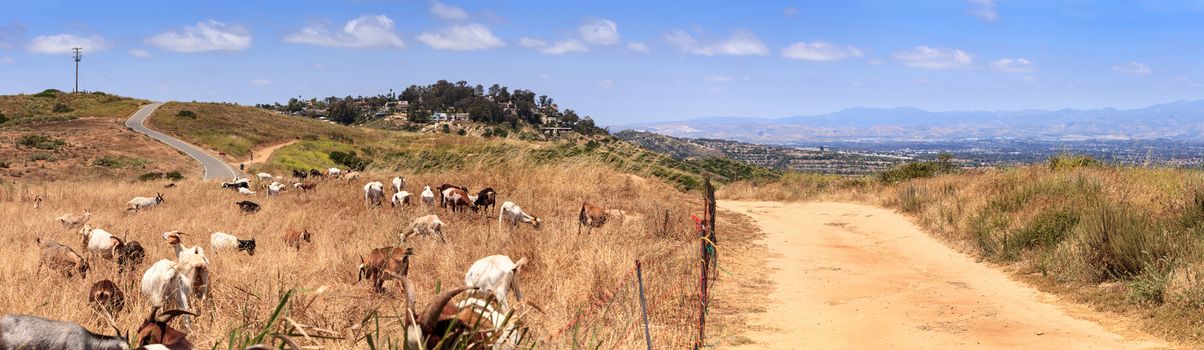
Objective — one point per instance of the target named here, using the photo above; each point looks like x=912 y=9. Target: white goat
x=428 y=196
x=32 y=332
x=100 y=242
x=264 y=176
x=333 y=172
x=139 y=203
x=425 y=225
x=245 y=191
x=401 y=198
x=373 y=192
x=398 y=183
x=221 y=241
x=275 y=188
x=175 y=282
x=513 y=214
x=495 y=275
x=70 y=221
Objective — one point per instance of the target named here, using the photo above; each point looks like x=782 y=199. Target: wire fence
x=676 y=282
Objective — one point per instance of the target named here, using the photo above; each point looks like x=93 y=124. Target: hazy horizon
x=625 y=62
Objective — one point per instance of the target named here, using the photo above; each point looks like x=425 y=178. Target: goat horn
x=431 y=315
x=168 y=315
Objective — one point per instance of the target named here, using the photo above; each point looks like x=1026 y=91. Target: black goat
x=248 y=206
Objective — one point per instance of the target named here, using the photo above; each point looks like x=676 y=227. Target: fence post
x=708 y=219
x=639 y=275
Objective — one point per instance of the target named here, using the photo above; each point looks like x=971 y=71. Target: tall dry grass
x=1128 y=239
x=569 y=274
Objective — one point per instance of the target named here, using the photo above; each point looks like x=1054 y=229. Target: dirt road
x=848 y=276
x=262 y=154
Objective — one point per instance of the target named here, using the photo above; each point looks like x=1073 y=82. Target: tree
x=294 y=105
x=344 y=111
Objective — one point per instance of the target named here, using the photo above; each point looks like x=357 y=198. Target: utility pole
x=78 y=56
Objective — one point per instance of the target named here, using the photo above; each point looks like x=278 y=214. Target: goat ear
x=521 y=261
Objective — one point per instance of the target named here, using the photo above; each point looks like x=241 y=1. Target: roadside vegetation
x=1124 y=239
x=236 y=130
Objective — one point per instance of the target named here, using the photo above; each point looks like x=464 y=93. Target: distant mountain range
x=1183 y=120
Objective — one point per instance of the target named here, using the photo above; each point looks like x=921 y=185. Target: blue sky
x=625 y=61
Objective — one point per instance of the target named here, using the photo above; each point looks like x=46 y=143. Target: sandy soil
x=849 y=276
x=262 y=154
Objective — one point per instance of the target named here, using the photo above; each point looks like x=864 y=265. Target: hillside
x=54 y=105
x=238 y=130
x=85 y=140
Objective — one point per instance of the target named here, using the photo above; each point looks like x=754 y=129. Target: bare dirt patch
x=91 y=148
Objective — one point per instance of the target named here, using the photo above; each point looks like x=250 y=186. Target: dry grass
x=568 y=273
x=1126 y=240
x=81 y=105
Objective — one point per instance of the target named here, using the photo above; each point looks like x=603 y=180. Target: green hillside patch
x=53 y=105
x=238 y=130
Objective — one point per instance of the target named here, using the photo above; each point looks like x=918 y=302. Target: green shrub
x=3 y=118
x=184 y=113
x=119 y=162
x=914 y=170
x=151 y=176
x=349 y=160
x=3 y=165
x=48 y=93
x=446 y=129
x=40 y=142
x=42 y=156
x=1067 y=161
x=174 y=175
x=61 y=108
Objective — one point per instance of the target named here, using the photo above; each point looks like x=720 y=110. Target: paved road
x=215 y=168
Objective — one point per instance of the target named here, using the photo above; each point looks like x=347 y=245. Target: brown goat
x=154 y=330
x=106 y=297
x=293 y=238
x=591 y=216
x=384 y=263
x=62 y=258
x=458 y=200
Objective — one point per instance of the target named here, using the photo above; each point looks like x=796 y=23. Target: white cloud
x=606 y=83
x=545 y=76
x=261 y=81
x=1030 y=79
x=930 y=58
x=1014 y=65
x=62 y=43
x=820 y=51
x=718 y=78
x=472 y=36
x=741 y=43
x=1132 y=68
x=139 y=53
x=364 y=31
x=204 y=36
x=638 y=47
x=557 y=48
x=599 y=31
x=984 y=9
x=8 y=60
x=448 y=12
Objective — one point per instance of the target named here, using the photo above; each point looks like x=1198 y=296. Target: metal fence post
x=639 y=275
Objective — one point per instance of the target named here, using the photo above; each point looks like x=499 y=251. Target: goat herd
x=484 y=315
